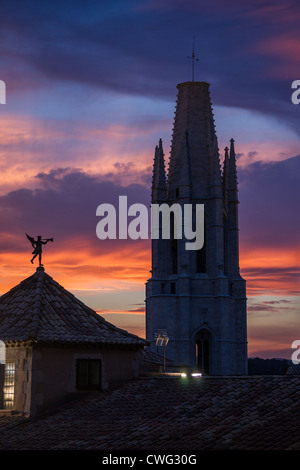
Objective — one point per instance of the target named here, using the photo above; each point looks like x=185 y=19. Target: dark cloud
x=64 y=209
x=269 y=203
x=271 y=306
x=65 y=205
x=141 y=48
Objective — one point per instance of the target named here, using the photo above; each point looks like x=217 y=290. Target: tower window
x=203 y=356
x=177 y=192
x=173 y=288
x=201 y=260
x=203 y=352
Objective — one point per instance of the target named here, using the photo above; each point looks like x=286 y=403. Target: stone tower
x=198 y=296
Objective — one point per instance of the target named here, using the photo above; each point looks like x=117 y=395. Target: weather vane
x=38 y=246
x=193 y=60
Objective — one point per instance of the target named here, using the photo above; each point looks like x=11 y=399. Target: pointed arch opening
x=204 y=351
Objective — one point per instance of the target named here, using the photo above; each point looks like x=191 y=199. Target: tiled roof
x=207 y=413
x=41 y=310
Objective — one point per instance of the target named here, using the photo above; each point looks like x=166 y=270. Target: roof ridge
x=75 y=299
x=40 y=273
x=16 y=287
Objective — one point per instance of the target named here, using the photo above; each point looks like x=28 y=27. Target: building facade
x=198 y=297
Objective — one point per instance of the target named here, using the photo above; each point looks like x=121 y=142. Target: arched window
x=203 y=351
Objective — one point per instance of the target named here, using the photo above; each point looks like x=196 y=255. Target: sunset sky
x=90 y=90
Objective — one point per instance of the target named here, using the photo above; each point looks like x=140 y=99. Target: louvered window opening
x=88 y=374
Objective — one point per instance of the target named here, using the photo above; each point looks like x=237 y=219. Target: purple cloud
x=269 y=199
x=141 y=48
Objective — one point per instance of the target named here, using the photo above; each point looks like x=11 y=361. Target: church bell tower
x=198 y=296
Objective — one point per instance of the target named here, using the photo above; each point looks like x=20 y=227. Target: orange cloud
x=270 y=270
x=78 y=266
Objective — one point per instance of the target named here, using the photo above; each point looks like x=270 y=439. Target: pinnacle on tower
x=232 y=171
x=159 y=185
x=225 y=172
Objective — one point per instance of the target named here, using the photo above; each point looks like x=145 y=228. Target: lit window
x=88 y=374
x=9 y=386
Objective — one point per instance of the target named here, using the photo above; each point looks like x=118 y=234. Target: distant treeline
x=268 y=366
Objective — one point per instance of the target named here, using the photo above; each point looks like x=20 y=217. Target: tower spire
x=194 y=117
x=197 y=295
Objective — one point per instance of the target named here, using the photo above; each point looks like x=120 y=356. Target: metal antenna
x=193 y=60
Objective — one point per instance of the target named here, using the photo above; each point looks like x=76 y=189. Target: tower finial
x=159 y=186
x=232 y=173
x=193 y=60
x=37 y=245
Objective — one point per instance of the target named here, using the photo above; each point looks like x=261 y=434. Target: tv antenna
x=193 y=60
x=162 y=339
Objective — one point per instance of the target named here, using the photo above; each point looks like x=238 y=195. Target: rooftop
x=165 y=413
x=41 y=310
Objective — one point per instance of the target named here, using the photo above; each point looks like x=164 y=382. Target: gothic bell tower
x=198 y=296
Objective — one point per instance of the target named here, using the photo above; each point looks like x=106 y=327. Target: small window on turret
x=173 y=288
x=177 y=192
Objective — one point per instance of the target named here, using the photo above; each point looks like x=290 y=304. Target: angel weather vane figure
x=38 y=245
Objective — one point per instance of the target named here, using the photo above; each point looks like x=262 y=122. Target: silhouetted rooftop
x=165 y=413
x=41 y=310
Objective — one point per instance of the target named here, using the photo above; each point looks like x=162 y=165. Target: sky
x=90 y=90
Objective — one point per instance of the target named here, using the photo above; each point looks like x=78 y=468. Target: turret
x=159 y=185
x=233 y=226
x=232 y=173
x=225 y=173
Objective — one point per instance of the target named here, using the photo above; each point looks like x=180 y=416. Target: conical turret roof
x=41 y=310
